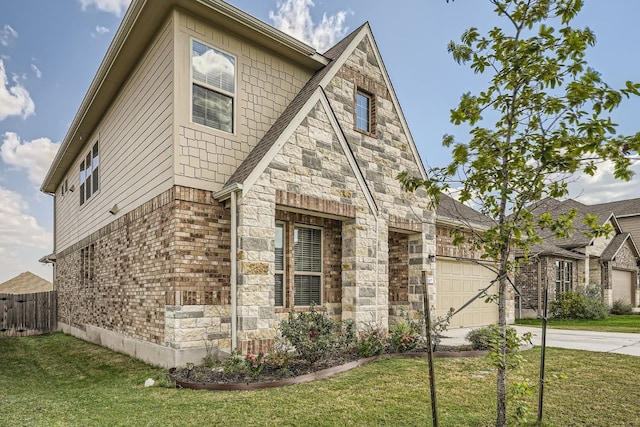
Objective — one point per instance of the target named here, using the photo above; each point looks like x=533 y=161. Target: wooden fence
x=28 y=314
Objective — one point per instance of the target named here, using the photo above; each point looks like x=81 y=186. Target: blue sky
x=50 y=51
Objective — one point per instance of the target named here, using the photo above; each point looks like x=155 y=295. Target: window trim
x=234 y=96
x=371 y=124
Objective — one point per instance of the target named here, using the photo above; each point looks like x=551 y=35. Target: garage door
x=456 y=283
x=622 y=285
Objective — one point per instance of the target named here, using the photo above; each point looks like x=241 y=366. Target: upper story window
x=213 y=75
x=364 y=111
x=89 y=171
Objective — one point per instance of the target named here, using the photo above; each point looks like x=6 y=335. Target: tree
x=547 y=117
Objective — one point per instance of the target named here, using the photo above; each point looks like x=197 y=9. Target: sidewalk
x=608 y=342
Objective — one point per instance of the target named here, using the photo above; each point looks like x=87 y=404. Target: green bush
x=372 y=341
x=487 y=337
x=621 y=306
x=403 y=337
x=315 y=335
x=574 y=305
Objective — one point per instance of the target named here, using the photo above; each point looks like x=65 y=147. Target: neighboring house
x=609 y=263
x=460 y=270
x=26 y=283
x=220 y=173
x=627 y=213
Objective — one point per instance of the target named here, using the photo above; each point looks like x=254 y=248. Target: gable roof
x=287 y=116
x=616 y=244
x=548 y=249
x=255 y=162
x=25 y=283
x=137 y=29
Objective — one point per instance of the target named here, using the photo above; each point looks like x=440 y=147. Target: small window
x=363 y=111
x=89 y=183
x=213 y=92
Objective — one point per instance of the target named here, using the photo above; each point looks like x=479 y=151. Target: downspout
x=377 y=271
x=234 y=271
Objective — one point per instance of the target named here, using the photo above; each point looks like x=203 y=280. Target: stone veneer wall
x=168 y=253
x=624 y=260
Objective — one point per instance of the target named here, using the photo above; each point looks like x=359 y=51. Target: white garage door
x=456 y=283
x=622 y=285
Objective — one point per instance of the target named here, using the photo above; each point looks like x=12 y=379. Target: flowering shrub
x=255 y=363
x=403 y=338
x=372 y=341
x=315 y=335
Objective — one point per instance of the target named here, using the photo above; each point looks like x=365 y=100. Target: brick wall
x=173 y=249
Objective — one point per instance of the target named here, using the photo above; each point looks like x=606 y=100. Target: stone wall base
x=154 y=354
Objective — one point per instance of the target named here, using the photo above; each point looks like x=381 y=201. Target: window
x=213 y=92
x=307 y=257
x=279 y=267
x=363 y=111
x=563 y=276
x=89 y=167
x=87 y=264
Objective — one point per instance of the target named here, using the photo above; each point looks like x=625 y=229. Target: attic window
x=213 y=91
x=364 y=111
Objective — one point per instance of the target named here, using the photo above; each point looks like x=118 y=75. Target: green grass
x=622 y=323
x=57 y=380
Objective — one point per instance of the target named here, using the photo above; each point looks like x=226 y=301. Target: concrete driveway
x=607 y=342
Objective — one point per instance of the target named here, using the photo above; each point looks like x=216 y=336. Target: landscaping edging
x=318 y=375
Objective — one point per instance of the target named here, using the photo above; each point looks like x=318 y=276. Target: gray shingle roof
x=621 y=208
x=450 y=208
x=272 y=135
x=549 y=249
x=614 y=246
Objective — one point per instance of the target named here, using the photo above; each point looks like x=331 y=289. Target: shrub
x=372 y=341
x=234 y=363
x=621 y=306
x=255 y=363
x=574 y=305
x=486 y=337
x=314 y=335
x=403 y=337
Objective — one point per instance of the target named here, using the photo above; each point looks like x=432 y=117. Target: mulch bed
x=298 y=371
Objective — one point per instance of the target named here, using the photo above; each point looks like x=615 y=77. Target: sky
x=50 y=51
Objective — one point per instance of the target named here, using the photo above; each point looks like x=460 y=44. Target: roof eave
x=130 y=42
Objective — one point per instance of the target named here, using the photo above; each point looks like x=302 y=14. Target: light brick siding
x=172 y=250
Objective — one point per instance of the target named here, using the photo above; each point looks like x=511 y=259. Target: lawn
x=627 y=323
x=57 y=380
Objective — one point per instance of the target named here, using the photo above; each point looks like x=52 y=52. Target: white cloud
x=17 y=227
x=112 y=6
x=603 y=187
x=101 y=30
x=7 y=34
x=294 y=18
x=23 y=241
x=33 y=156
x=36 y=70
x=14 y=100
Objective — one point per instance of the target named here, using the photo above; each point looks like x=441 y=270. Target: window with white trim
x=307 y=259
x=89 y=172
x=279 y=266
x=213 y=91
x=364 y=102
